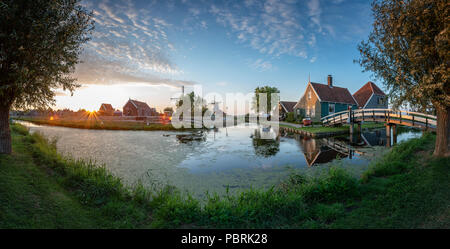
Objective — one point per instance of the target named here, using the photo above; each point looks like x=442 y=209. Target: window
x=309 y=95
x=331 y=109
x=381 y=101
x=312 y=112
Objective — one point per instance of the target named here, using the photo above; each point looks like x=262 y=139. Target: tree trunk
x=5 y=133
x=442 y=131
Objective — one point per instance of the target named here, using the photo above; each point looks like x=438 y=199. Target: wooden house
x=285 y=107
x=320 y=100
x=138 y=109
x=106 y=110
x=370 y=96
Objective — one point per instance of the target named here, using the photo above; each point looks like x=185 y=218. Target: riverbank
x=101 y=124
x=326 y=131
x=39 y=188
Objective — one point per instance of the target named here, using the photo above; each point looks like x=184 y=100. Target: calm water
x=212 y=160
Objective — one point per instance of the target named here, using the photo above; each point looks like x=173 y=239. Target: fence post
x=413 y=119
x=426 y=123
x=400 y=116
x=373 y=113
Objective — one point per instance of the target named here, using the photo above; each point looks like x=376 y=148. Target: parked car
x=307 y=121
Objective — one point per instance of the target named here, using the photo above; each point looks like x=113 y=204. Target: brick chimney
x=330 y=81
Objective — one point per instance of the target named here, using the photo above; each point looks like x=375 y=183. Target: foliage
x=168 y=109
x=290 y=117
x=40 y=42
x=269 y=91
x=408 y=50
x=197 y=103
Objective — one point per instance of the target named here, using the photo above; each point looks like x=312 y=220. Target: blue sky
x=146 y=49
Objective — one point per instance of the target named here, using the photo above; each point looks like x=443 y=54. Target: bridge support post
x=394 y=134
x=359 y=127
x=388 y=130
x=352 y=128
x=388 y=135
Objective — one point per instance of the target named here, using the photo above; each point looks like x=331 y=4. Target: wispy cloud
x=261 y=65
x=127 y=42
x=270 y=27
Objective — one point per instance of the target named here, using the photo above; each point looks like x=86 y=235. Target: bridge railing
x=382 y=115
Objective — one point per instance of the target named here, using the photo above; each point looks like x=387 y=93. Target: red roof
x=364 y=93
x=106 y=107
x=140 y=104
x=333 y=94
x=288 y=105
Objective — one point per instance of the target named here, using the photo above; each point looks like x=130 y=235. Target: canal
x=214 y=160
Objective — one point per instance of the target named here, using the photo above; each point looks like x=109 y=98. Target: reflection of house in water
x=374 y=138
x=316 y=152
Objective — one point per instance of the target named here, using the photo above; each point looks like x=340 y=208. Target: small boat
x=266 y=129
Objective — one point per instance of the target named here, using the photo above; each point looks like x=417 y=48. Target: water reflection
x=240 y=157
x=266 y=141
x=323 y=150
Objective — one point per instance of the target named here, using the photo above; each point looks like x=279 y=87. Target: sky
x=146 y=50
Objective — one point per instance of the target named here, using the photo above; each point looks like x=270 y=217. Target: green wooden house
x=320 y=100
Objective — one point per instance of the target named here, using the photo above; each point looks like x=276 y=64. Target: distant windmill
x=215 y=105
x=182 y=94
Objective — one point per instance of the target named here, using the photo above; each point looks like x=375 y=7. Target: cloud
x=314 y=13
x=222 y=83
x=271 y=27
x=261 y=65
x=128 y=45
x=95 y=70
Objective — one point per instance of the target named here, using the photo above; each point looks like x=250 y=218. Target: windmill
x=182 y=94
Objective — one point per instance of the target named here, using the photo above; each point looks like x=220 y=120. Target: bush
x=336 y=185
x=290 y=117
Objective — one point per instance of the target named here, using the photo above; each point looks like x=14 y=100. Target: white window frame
x=309 y=94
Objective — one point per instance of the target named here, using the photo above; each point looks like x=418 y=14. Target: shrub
x=336 y=185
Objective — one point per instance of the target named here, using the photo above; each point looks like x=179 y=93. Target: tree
x=168 y=109
x=265 y=89
x=408 y=49
x=197 y=103
x=40 y=43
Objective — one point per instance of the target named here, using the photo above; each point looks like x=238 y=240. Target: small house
x=106 y=110
x=320 y=100
x=370 y=96
x=138 y=108
x=285 y=107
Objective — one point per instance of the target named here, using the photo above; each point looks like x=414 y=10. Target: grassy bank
x=100 y=125
x=405 y=189
x=328 y=129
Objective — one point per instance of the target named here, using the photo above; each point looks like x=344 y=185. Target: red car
x=306 y=121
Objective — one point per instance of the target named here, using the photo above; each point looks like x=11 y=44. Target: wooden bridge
x=388 y=116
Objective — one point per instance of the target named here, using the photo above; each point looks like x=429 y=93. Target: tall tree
x=261 y=90
x=40 y=44
x=408 y=49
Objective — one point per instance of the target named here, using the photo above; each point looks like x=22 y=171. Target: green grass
x=330 y=129
x=101 y=125
x=39 y=188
